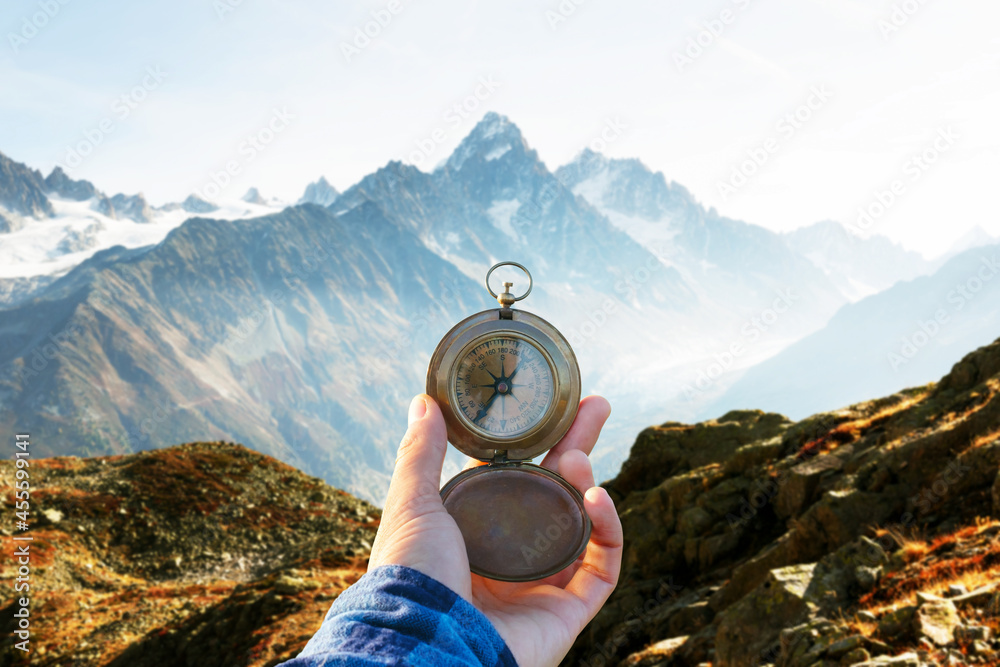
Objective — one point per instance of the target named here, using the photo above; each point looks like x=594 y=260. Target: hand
x=539 y=620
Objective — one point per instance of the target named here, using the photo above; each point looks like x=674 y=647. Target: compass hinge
x=499 y=457
x=506 y=313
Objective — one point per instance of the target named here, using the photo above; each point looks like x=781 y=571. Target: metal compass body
x=508 y=385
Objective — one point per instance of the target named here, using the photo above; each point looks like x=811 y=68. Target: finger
x=417 y=474
x=598 y=573
x=574 y=467
x=582 y=435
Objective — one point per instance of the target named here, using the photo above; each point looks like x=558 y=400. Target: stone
x=896 y=623
x=289 y=585
x=845 y=645
x=655 y=654
x=753 y=455
x=936 y=620
x=52 y=515
x=909 y=659
x=855 y=656
x=748 y=628
x=977 y=598
x=715 y=548
x=956 y=589
x=971 y=633
x=797 y=488
x=980 y=648
x=854 y=567
x=694 y=521
x=690 y=619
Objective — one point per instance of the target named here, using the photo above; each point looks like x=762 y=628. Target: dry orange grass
x=935 y=565
x=853 y=430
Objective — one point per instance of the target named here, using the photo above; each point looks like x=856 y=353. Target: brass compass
x=508 y=385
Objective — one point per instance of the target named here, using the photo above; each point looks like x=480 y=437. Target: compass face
x=503 y=385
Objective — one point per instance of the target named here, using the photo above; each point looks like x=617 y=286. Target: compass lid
x=520 y=522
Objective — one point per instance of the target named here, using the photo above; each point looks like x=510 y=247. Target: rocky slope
x=868 y=535
x=200 y=554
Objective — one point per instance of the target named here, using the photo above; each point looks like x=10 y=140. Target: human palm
x=539 y=620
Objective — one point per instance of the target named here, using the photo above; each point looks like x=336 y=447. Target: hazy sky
x=885 y=80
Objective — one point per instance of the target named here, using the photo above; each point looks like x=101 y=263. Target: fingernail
x=418 y=408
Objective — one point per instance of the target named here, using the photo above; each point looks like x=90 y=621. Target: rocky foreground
x=203 y=554
x=865 y=536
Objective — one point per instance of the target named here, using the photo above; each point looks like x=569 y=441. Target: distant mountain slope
x=319 y=192
x=50 y=225
x=905 y=336
x=732 y=262
x=858 y=266
x=301 y=334
x=22 y=190
x=646 y=319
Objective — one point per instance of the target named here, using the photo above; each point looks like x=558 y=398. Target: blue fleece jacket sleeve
x=396 y=615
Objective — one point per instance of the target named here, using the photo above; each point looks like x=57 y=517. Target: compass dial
x=503 y=385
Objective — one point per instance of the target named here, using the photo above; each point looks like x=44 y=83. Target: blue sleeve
x=396 y=615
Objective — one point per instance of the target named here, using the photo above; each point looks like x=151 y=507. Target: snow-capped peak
x=493 y=138
x=253 y=197
x=320 y=193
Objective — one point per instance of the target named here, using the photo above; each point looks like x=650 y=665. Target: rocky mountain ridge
x=200 y=554
x=868 y=535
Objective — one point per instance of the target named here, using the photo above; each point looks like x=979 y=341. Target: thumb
x=417 y=474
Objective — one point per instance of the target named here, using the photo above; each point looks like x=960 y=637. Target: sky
x=881 y=114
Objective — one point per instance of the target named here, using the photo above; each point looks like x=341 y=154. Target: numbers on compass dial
x=504 y=386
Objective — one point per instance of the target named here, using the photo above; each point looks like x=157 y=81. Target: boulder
x=896 y=623
x=909 y=659
x=936 y=620
x=750 y=628
x=798 y=487
x=655 y=654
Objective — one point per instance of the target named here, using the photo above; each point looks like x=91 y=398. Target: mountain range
x=302 y=331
